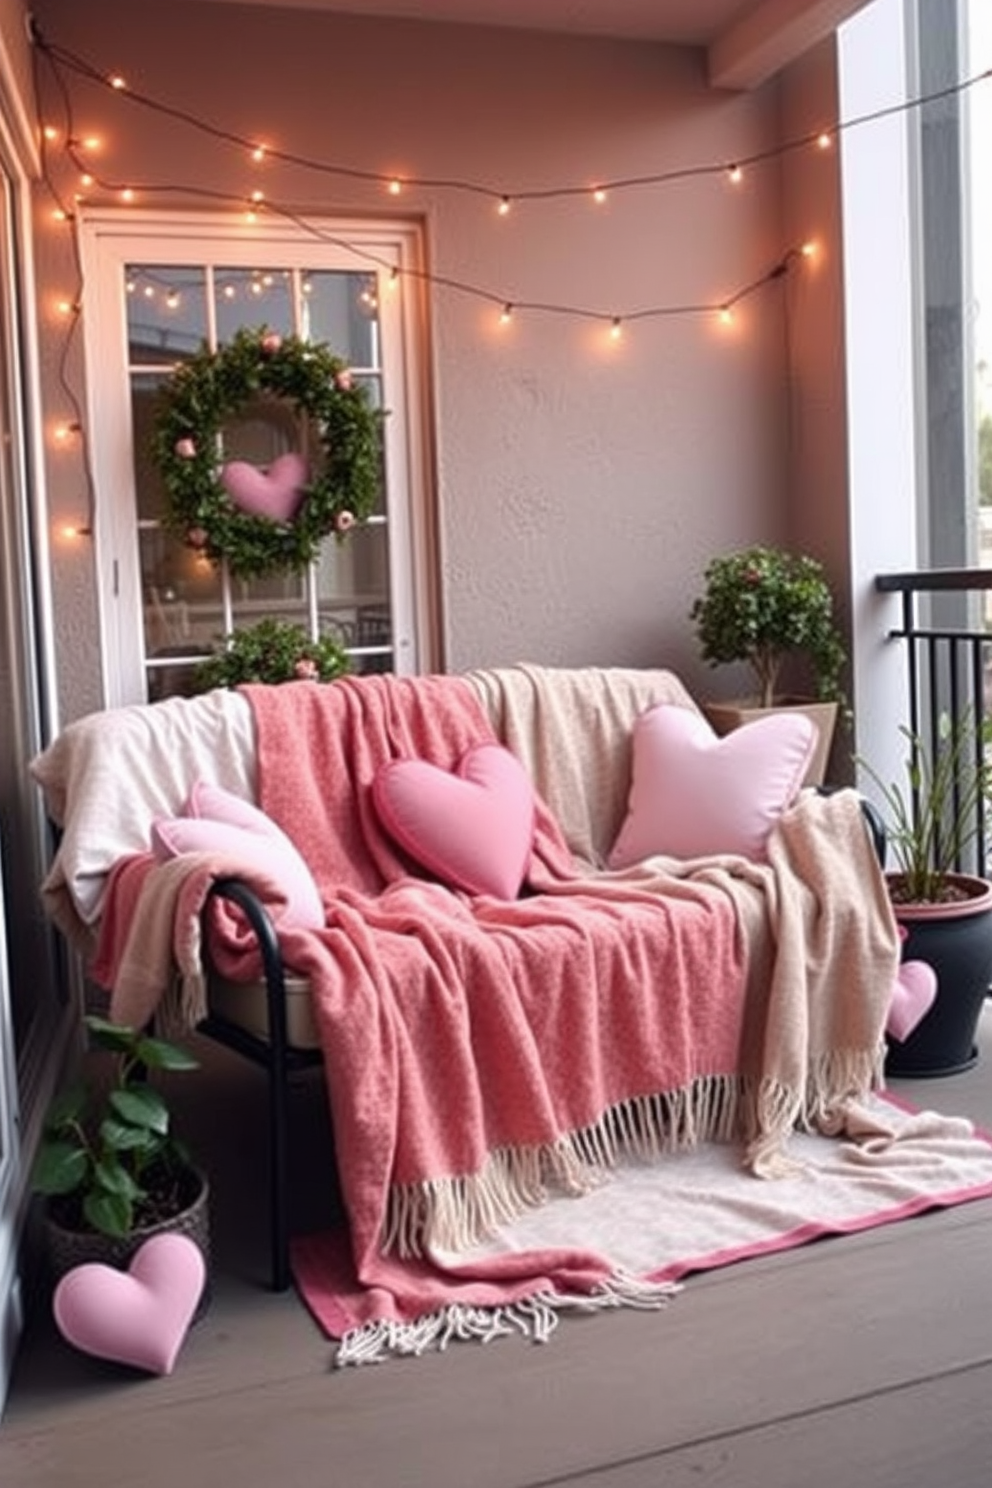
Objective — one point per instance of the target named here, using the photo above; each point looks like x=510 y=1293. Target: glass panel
x=166 y=313
x=181 y=595
x=171 y=679
x=148 y=487
x=342 y=310
x=352 y=581
x=252 y=298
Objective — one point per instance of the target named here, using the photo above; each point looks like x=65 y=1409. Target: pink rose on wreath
x=344 y=521
x=185 y=449
x=271 y=343
x=306 y=670
x=342 y=381
x=196 y=537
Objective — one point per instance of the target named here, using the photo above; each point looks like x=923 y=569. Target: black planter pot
x=957 y=943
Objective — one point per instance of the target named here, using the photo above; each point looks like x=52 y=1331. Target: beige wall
x=581 y=488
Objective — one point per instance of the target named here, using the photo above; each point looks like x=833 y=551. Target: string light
x=599 y=195
x=503 y=207
x=258 y=154
x=616 y=328
x=824 y=140
x=735 y=175
x=395 y=187
x=506 y=315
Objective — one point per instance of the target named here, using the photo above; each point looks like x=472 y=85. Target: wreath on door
x=265 y=519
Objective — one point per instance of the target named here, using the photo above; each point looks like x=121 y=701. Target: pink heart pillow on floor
x=694 y=795
x=140 y=1316
x=472 y=828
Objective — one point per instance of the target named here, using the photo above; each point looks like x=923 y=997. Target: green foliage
x=758 y=605
x=212 y=389
x=985 y=460
x=106 y=1149
x=935 y=813
x=271 y=651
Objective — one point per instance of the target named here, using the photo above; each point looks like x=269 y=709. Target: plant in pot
x=271 y=651
x=764 y=606
x=934 y=814
x=109 y=1166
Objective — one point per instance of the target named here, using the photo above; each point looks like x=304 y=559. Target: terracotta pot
x=724 y=717
x=956 y=939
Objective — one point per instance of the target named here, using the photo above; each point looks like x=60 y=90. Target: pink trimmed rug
x=691 y=1212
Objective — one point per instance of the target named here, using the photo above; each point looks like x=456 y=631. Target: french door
x=157 y=289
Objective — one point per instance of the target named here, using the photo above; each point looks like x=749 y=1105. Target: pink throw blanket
x=477 y=1050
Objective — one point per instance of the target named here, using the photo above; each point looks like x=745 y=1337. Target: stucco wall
x=581 y=485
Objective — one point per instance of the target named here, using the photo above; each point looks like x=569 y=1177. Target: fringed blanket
x=480 y=1052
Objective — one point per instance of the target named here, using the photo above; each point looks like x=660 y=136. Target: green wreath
x=211 y=389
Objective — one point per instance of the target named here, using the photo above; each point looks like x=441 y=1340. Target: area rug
x=659 y=1223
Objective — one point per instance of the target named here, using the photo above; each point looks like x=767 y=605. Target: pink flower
x=343 y=381
x=306 y=670
x=185 y=449
x=271 y=343
x=196 y=537
x=344 y=521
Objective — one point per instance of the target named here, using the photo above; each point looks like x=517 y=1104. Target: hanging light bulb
x=504 y=206
x=506 y=314
x=599 y=195
x=735 y=175
x=616 y=328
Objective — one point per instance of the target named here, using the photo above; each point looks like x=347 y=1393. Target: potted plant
x=271 y=651
x=109 y=1166
x=763 y=606
x=934 y=814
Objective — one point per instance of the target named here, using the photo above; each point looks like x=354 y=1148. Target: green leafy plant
x=935 y=813
x=108 y=1159
x=271 y=651
x=761 y=604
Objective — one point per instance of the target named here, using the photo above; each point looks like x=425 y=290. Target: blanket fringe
x=534 y=1318
x=453 y=1214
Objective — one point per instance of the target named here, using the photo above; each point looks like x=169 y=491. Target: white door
x=160 y=287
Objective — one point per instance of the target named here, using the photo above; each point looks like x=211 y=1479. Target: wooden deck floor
x=860 y=1361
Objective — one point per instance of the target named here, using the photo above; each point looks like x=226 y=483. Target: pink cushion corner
x=473 y=827
x=694 y=794
x=219 y=822
x=139 y=1316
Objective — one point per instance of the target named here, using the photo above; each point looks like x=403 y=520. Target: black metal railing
x=949 y=661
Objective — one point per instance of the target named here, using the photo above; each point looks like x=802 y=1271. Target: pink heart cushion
x=472 y=828
x=693 y=794
x=274 y=492
x=912 y=998
x=139 y=1316
x=218 y=822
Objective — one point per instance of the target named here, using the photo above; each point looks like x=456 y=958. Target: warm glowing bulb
x=63 y=432
x=504 y=206
x=86 y=180
x=70 y=533
x=127 y=195
x=808 y=250
x=251 y=215
x=50 y=132
x=130 y=286
x=91 y=142
x=506 y=315
x=116 y=81
x=395 y=187
x=172 y=300
x=824 y=141
x=65 y=307
x=394 y=278
x=599 y=195
x=149 y=291
x=257 y=288
x=735 y=175
x=258 y=154
x=257 y=196
x=58 y=215
x=726 y=315
x=616 y=329
x=229 y=291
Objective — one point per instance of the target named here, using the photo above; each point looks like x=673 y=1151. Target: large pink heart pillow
x=274 y=491
x=693 y=794
x=216 y=821
x=140 y=1316
x=473 y=827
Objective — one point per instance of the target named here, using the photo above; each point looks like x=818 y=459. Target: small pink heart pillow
x=140 y=1316
x=275 y=492
x=694 y=795
x=912 y=998
x=472 y=828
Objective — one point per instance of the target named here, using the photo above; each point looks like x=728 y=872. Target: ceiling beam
x=770 y=36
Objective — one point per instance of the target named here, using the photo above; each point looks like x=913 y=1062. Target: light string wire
x=78 y=422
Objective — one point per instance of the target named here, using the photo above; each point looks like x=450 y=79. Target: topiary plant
x=761 y=604
x=271 y=651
